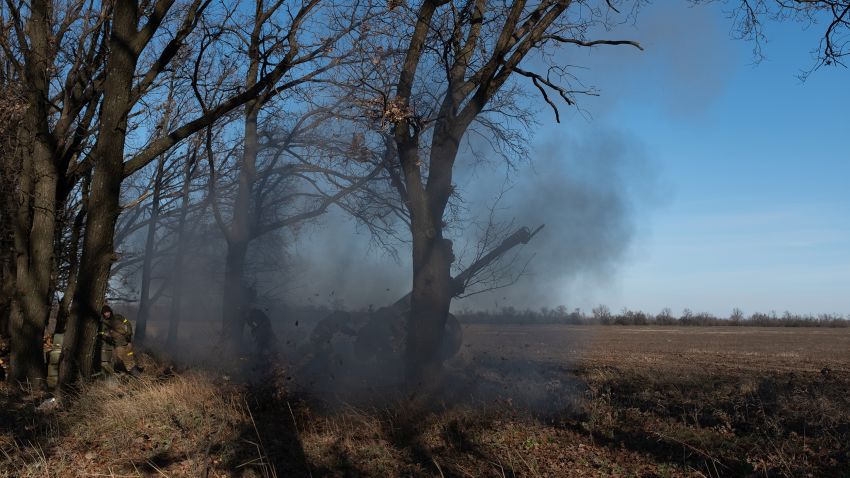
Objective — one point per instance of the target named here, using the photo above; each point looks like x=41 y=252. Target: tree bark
x=7 y=286
x=429 y=303
x=104 y=207
x=36 y=222
x=7 y=244
x=73 y=260
x=240 y=234
x=241 y=223
x=433 y=288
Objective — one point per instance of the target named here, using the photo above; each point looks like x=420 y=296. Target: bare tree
x=177 y=274
x=58 y=56
x=448 y=70
x=258 y=158
x=290 y=177
x=296 y=61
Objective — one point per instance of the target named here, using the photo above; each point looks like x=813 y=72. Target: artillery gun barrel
x=521 y=236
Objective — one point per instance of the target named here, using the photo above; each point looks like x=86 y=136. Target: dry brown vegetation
x=522 y=401
x=180 y=425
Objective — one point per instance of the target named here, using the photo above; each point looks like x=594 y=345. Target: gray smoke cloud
x=590 y=191
x=336 y=264
x=593 y=187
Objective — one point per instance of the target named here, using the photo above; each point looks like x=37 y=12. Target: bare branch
x=591 y=43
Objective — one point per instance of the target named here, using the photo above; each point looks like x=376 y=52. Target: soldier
x=116 y=335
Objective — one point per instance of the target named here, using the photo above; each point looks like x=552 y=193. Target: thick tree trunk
x=34 y=271
x=432 y=257
x=150 y=252
x=104 y=207
x=93 y=278
x=36 y=221
x=242 y=223
x=429 y=304
x=9 y=174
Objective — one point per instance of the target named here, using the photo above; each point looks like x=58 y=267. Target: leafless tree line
x=174 y=119
x=602 y=315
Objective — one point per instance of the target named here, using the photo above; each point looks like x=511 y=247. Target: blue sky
x=751 y=167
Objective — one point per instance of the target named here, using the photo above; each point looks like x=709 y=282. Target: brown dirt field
x=538 y=400
x=549 y=400
x=716 y=349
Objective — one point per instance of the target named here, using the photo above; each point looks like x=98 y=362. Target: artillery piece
x=383 y=335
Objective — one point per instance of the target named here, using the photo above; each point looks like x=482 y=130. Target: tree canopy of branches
x=438 y=70
x=89 y=72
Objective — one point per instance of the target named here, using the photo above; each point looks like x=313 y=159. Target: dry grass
x=405 y=440
x=188 y=425
x=588 y=402
x=771 y=424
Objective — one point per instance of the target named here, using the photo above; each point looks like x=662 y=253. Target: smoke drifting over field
x=590 y=193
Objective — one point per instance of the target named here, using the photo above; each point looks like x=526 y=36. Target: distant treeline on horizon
x=603 y=316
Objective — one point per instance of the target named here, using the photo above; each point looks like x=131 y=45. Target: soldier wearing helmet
x=116 y=336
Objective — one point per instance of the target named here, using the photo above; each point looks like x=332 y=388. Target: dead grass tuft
x=188 y=425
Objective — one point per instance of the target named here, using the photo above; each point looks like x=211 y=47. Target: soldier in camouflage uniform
x=116 y=335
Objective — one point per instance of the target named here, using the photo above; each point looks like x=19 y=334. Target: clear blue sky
x=751 y=168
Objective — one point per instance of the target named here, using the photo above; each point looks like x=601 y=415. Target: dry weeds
x=616 y=402
x=187 y=425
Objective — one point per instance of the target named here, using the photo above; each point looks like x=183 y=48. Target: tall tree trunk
x=150 y=252
x=240 y=234
x=34 y=269
x=432 y=256
x=104 y=207
x=429 y=303
x=242 y=220
x=177 y=276
x=73 y=259
x=36 y=222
